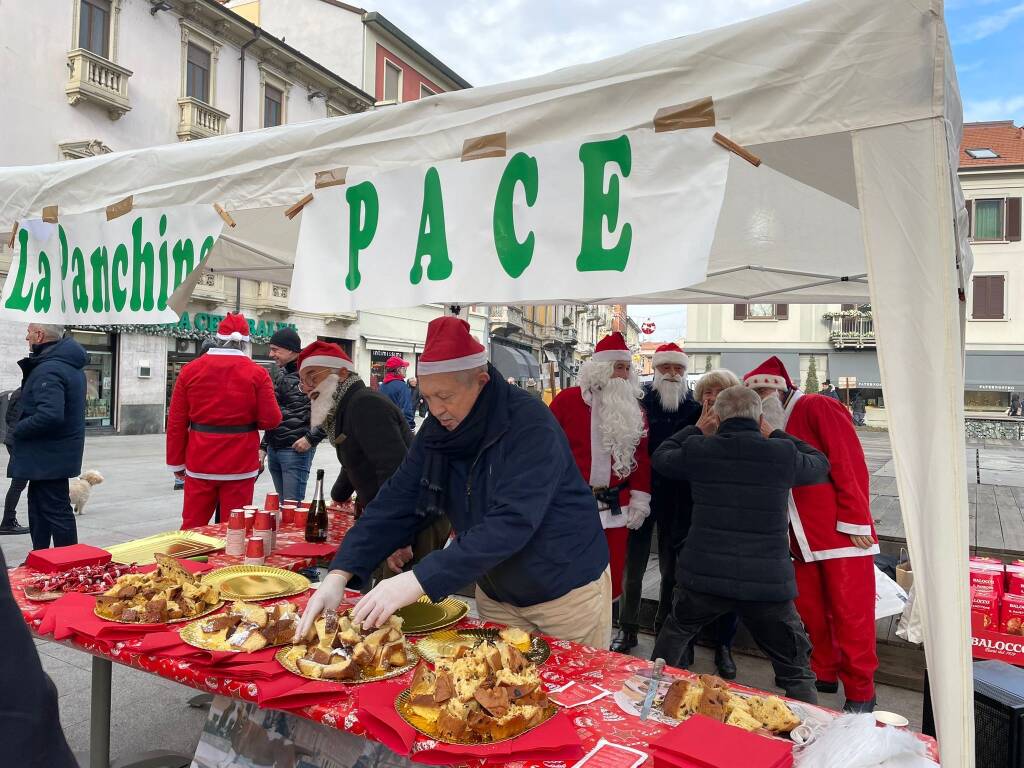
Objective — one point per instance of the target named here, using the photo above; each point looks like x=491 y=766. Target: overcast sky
x=489 y=41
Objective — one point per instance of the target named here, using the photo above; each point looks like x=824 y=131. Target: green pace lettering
x=432 y=240
x=515 y=256
x=62 y=235
x=119 y=272
x=161 y=302
x=142 y=258
x=100 y=280
x=42 y=298
x=599 y=205
x=184 y=261
x=79 y=290
x=20 y=298
x=363 y=212
x=201 y=321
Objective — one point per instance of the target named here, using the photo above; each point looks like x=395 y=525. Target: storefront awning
x=514 y=362
x=861 y=364
x=994 y=371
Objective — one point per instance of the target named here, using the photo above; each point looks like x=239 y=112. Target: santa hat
x=771 y=373
x=450 y=347
x=672 y=354
x=234 y=327
x=395 y=362
x=326 y=355
x=612 y=349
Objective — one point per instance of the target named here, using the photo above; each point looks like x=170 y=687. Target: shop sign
x=626 y=214
x=204 y=322
x=86 y=270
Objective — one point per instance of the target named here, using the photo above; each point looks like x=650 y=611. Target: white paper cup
x=890 y=718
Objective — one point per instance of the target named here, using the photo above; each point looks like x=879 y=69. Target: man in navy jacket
x=494 y=460
x=49 y=436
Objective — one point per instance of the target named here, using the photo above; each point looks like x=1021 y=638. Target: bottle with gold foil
x=316 y=522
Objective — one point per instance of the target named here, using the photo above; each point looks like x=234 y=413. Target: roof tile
x=1002 y=137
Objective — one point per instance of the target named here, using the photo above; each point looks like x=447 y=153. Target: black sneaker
x=11 y=528
x=625 y=641
x=824 y=686
x=724 y=663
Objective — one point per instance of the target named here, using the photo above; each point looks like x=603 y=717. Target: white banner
x=86 y=270
x=635 y=211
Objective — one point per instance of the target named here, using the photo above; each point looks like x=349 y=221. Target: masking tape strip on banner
x=479 y=147
x=50 y=214
x=332 y=178
x=120 y=208
x=699 y=113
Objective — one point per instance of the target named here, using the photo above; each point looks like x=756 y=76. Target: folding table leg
x=99 y=714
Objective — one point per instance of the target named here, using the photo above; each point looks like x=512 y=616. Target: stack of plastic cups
x=273 y=504
x=250 y=521
x=235 y=541
x=264 y=529
x=287 y=514
x=254 y=551
x=301 y=516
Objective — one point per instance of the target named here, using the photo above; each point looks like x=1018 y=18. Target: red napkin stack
x=72 y=616
x=305 y=549
x=63 y=558
x=701 y=742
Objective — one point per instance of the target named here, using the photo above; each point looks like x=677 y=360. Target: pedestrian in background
x=397 y=390
x=10 y=525
x=49 y=435
x=288 y=449
x=1014 y=405
x=419 y=405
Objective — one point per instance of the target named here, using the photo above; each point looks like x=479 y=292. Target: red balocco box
x=1015 y=577
x=986 y=603
x=987 y=573
x=1011 y=615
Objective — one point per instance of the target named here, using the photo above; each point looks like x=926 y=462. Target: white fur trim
x=233 y=336
x=326 y=361
x=853 y=530
x=613 y=356
x=426 y=368
x=226 y=351
x=764 y=380
x=205 y=476
x=675 y=358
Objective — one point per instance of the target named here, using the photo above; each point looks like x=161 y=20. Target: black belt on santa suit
x=223 y=429
x=609 y=496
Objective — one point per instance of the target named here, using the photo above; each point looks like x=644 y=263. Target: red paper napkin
x=293 y=692
x=63 y=558
x=306 y=549
x=701 y=741
x=245 y=670
x=376 y=711
x=73 y=614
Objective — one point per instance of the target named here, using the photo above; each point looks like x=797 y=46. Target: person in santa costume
x=395 y=388
x=494 y=461
x=832 y=537
x=607 y=432
x=220 y=402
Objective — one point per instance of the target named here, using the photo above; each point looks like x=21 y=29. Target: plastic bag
x=854 y=741
x=910 y=628
x=890 y=598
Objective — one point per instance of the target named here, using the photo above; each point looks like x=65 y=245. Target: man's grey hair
x=738 y=402
x=238 y=344
x=50 y=332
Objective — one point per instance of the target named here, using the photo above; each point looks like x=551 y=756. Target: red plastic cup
x=272 y=502
x=236 y=519
x=305 y=504
x=301 y=516
x=264 y=521
x=293 y=502
x=254 y=549
x=250 y=521
x=287 y=514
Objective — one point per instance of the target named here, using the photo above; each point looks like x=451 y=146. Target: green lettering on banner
x=599 y=205
x=79 y=290
x=100 y=280
x=261 y=329
x=142 y=258
x=183 y=322
x=184 y=261
x=432 y=240
x=515 y=256
x=42 y=301
x=63 y=264
x=161 y=302
x=201 y=321
x=363 y=212
x=252 y=326
x=119 y=271
x=20 y=298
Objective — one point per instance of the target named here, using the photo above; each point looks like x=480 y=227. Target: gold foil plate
x=364 y=676
x=438 y=644
x=256 y=582
x=212 y=609
x=427 y=616
x=427 y=729
x=193 y=634
x=38 y=596
x=173 y=543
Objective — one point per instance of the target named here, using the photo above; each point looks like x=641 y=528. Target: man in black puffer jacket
x=288 y=448
x=736 y=555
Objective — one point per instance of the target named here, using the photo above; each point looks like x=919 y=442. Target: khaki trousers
x=584 y=615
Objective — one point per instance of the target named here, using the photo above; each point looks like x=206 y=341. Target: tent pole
x=238 y=294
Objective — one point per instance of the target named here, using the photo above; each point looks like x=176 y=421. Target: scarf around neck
x=465 y=442
x=339 y=392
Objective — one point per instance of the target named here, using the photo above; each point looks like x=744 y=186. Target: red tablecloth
x=568 y=662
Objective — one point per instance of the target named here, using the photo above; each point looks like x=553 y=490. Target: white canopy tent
x=853 y=107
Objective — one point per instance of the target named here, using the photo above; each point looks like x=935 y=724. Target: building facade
x=131 y=73
x=837 y=342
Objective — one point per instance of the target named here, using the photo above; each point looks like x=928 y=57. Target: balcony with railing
x=506 y=320
x=555 y=336
x=199 y=120
x=94 y=79
x=210 y=289
x=851 y=328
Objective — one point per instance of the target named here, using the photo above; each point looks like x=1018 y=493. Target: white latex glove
x=638 y=510
x=377 y=605
x=328 y=596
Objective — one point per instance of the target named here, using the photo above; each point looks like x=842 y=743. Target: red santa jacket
x=824 y=516
x=573 y=413
x=221 y=388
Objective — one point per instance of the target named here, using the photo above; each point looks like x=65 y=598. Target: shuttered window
x=988 y=297
x=994 y=219
x=760 y=311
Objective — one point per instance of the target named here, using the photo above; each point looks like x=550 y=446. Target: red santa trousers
x=837 y=605
x=202 y=497
x=617 y=538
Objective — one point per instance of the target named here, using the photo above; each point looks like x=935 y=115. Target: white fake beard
x=671 y=391
x=774 y=413
x=622 y=424
x=321 y=405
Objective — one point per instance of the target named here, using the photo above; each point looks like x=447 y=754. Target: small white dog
x=80 y=487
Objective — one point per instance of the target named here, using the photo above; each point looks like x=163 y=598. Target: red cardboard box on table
x=988 y=644
x=985 y=603
x=1015 y=578
x=700 y=742
x=63 y=558
x=987 y=573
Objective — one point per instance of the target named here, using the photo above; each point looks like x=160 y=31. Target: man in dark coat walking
x=49 y=436
x=397 y=390
x=10 y=526
x=736 y=556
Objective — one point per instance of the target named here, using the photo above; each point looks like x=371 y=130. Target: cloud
x=995 y=109
x=992 y=24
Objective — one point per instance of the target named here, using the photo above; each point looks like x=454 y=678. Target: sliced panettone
x=737 y=702
x=743 y=719
x=773 y=713
x=310 y=668
x=494 y=699
x=450 y=726
x=713 y=681
x=516 y=638
x=444 y=688
x=713 y=704
x=346 y=669
x=423 y=686
x=672 y=705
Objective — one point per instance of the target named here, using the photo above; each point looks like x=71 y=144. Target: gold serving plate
x=364 y=677
x=438 y=644
x=425 y=728
x=173 y=543
x=254 y=583
x=427 y=616
x=212 y=609
x=37 y=595
x=192 y=634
